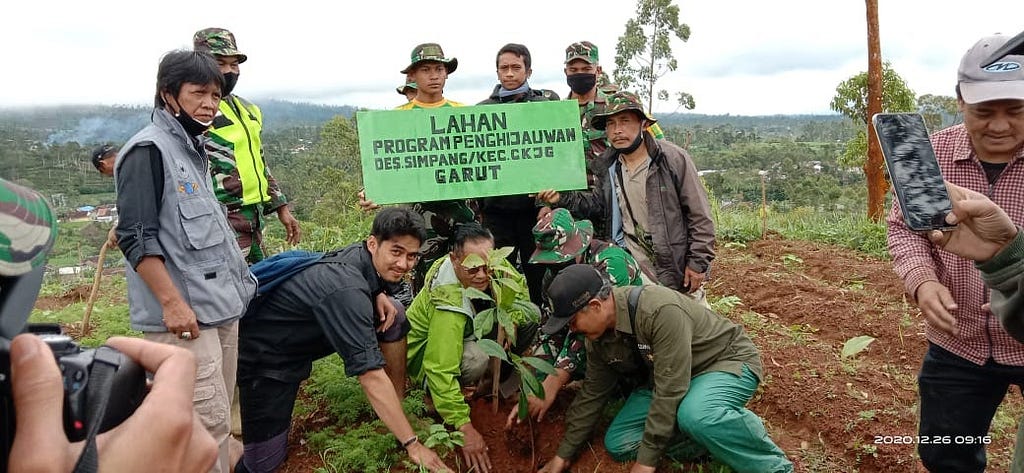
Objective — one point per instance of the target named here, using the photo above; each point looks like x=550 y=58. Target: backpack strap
x=631 y=303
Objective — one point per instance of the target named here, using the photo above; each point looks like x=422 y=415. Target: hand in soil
x=538 y=407
x=936 y=303
x=556 y=465
x=475 y=450
x=638 y=468
x=426 y=457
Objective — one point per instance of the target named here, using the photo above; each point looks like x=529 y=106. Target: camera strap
x=101 y=378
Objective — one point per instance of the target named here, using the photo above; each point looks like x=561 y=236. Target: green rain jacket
x=441 y=320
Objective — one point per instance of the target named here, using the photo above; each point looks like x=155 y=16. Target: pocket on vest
x=211 y=292
x=199 y=222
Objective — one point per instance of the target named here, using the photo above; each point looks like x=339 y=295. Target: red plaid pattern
x=916 y=260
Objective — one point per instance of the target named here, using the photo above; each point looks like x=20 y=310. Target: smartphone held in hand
x=913 y=170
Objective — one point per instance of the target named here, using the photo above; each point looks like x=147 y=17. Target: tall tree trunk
x=877 y=185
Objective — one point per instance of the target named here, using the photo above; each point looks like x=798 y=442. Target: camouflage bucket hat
x=584 y=50
x=217 y=41
x=560 y=238
x=430 y=52
x=404 y=87
x=617 y=103
x=27 y=229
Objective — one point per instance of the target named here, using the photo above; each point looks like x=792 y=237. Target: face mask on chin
x=581 y=83
x=634 y=145
x=192 y=126
x=230 y=80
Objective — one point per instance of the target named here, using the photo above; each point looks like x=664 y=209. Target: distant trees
x=644 y=51
x=937 y=109
x=851 y=100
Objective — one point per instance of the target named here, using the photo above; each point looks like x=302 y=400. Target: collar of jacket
x=611 y=155
x=446 y=291
x=165 y=121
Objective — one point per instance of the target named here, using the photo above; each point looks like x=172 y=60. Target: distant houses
x=104 y=213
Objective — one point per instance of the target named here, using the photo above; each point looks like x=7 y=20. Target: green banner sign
x=448 y=153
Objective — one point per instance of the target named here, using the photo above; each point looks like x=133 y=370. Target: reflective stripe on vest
x=242 y=137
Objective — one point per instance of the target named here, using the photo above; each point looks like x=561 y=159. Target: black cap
x=100 y=152
x=570 y=292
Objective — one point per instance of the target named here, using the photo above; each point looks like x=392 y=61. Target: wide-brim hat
x=430 y=52
x=560 y=238
x=408 y=85
x=619 y=102
x=218 y=42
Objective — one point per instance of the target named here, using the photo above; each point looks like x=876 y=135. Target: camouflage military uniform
x=241 y=178
x=442 y=216
x=27 y=229
x=562 y=240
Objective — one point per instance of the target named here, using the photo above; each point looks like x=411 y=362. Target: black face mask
x=192 y=126
x=634 y=145
x=230 y=79
x=581 y=83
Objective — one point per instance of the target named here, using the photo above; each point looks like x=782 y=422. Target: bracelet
x=411 y=441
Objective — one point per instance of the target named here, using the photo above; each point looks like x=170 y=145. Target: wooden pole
x=95 y=289
x=877 y=185
x=764 y=207
x=496 y=372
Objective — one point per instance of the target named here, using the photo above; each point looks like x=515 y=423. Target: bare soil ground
x=800 y=302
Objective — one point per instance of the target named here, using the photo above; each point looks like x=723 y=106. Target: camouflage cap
x=584 y=50
x=402 y=89
x=430 y=52
x=560 y=238
x=619 y=102
x=27 y=229
x=217 y=41
x=605 y=84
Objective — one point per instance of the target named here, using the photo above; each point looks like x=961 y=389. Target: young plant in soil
x=504 y=287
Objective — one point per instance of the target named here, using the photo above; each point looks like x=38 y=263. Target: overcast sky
x=744 y=57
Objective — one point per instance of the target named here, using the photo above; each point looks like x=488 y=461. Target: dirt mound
x=79 y=293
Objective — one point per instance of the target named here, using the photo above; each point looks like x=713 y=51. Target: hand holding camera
x=162 y=435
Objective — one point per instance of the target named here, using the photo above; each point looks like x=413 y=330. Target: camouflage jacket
x=238 y=166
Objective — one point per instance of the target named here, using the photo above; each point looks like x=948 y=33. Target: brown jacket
x=678 y=211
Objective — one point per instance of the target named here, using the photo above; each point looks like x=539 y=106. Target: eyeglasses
x=473 y=271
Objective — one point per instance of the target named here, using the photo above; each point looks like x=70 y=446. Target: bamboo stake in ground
x=496 y=369
x=764 y=206
x=95 y=289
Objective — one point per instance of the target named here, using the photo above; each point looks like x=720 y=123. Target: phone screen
x=913 y=169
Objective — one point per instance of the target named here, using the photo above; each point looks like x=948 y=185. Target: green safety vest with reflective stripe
x=236 y=152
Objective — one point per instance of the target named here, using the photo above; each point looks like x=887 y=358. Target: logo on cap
x=1005 y=66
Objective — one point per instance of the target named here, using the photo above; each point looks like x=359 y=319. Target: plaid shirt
x=917 y=261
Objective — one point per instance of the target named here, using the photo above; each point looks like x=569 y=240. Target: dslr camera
x=100 y=380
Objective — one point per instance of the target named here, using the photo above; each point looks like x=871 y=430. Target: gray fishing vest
x=200 y=251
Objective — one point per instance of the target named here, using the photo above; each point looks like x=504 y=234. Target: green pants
x=712 y=419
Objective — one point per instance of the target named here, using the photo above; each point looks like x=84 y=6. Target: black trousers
x=958 y=401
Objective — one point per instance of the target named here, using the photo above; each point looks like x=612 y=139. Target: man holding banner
x=428 y=70
x=511 y=217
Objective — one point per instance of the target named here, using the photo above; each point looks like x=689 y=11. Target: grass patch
x=855 y=231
